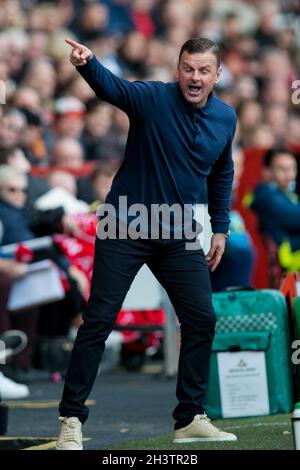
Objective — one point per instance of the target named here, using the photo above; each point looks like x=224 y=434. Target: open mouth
x=194 y=90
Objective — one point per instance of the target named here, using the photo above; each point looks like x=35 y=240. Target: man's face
x=283 y=170
x=70 y=125
x=15 y=191
x=197 y=74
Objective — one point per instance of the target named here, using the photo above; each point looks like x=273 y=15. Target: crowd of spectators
x=50 y=120
x=140 y=39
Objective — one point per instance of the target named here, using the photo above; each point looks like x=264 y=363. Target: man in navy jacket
x=180 y=139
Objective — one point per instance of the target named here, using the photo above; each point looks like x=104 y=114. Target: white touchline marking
x=256 y=425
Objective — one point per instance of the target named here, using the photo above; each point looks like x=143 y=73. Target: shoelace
x=69 y=429
x=203 y=417
x=206 y=420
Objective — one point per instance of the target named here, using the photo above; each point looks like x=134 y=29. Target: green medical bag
x=250 y=368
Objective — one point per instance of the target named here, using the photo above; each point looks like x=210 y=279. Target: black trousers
x=185 y=276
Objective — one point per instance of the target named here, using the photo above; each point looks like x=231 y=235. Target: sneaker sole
x=204 y=439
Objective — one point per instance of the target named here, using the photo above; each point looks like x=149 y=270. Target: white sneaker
x=70 y=436
x=10 y=390
x=201 y=429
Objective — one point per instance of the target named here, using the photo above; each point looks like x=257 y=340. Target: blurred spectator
x=22 y=128
x=40 y=222
x=14 y=220
x=70 y=114
x=93 y=21
x=37 y=44
x=13 y=127
x=62 y=195
x=13 y=193
x=142 y=18
x=33 y=143
x=113 y=146
x=267 y=26
x=62 y=179
x=132 y=54
x=250 y=116
x=15 y=158
x=277 y=117
x=99 y=118
x=262 y=137
x=26 y=97
x=120 y=21
x=101 y=180
x=41 y=76
x=277 y=206
x=13 y=189
x=95 y=188
x=247 y=88
x=67 y=153
x=65 y=74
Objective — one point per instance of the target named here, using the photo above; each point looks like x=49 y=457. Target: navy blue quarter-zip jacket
x=173 y=148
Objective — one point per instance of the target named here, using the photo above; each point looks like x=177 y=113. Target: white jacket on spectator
x=60 y=197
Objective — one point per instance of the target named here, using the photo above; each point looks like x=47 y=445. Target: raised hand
x=80 y=54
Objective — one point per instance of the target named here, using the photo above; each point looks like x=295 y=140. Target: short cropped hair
x=195 y=45
x=272 y=153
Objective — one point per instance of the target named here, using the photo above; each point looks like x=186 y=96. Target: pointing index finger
x=74 y=44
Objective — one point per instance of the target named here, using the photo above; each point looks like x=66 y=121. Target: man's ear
x=176 y=72
x=218 y=74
